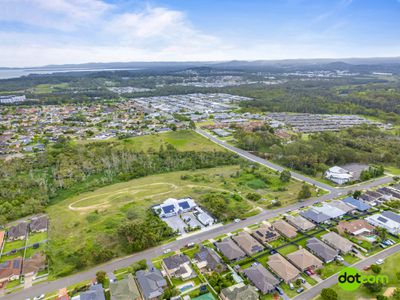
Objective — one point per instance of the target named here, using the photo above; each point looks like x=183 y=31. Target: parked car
x=339 y=258
x=307 y=272
x=379 y=261
x=392 y=241
x=300 y=289
x=280 y=291
x=382 y=245
x=354 y=251
x=291 y=286
x=303 y=281
x=35 y=245
x=273 y=251
x=39 y=297
x=166 y=251
x=190 y=245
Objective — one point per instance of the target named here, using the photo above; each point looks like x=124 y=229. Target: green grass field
x=183 y=140
x=48 y=88
x=95 y=216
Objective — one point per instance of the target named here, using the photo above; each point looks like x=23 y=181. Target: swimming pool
x=205 y=297
x=186 y=287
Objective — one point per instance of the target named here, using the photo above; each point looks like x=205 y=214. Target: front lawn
x=36 y=238
x=329 y=269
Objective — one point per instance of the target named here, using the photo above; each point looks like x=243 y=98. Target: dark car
x=35 y=245
x=280 y=291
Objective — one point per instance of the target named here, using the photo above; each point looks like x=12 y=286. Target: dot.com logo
x=350 y=279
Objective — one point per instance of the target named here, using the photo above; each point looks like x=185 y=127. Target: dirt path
x=132 y=191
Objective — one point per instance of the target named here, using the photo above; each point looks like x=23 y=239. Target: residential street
x=46 y=287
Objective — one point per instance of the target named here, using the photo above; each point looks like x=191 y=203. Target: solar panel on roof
x=168 y=209
x=383 y=220
x=184 y=205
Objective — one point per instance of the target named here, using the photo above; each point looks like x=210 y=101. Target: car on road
x=39 y=297
x=166 y=251
x=379 y=261
x=190 y=245
x=237 y=220
x=299 y=290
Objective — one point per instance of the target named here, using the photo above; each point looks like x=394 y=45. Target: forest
x=28 y=185
x=319 y=151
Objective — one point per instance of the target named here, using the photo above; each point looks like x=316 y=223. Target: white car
x=39 y=297
x=339 y=258
x=166 y=251
x=237 y=220
x=379 y=261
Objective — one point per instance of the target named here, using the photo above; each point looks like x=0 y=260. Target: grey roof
x=18 y=230
x=240 y=291
x=261 y=278
x=151 y=283
x=38 y=224
x=175 y=261
x=300 y=222
x=95 y=292
x=315 y=216
x=230 y=249
x=125 y=289
x=321 y=249
x=391 y=215
x=359 y=205
x=212 y=258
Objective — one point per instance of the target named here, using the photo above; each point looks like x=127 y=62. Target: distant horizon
x=322 y=59
x=40 y=32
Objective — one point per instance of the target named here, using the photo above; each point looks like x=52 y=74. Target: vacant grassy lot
x=94 y=217
x=183 y=140
x=49 y=88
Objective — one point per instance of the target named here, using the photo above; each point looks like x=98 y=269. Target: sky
x=42 y=32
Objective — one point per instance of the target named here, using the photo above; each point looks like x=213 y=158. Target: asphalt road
x=46 y=287
x=316 y=289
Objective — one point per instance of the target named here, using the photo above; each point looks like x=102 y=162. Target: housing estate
x=239 y=291
x=230 y=250
x=337 y=242
x=285 y=229
x=304 y=260
x=151 y=283
x=387 y=219
x=300 y=223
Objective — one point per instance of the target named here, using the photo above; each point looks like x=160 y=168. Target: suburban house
x=386 y=219
x=304 y=260
x=337 y=242
x=95 y=292
x=265 y=234
x=239 y=291
x=263 y=279
x=172 y=207
x=207 y=260
x=34 y=265
x=357 y=204
x=346 y=208
x=151 y=283
x=300 y=223
x=230 y=250
x=329 y=210
x=281 y=267
x=38 y=224
x=10 y=270
x=322 y=250
x=356 y=227
x=248 y=244
x=285 y=229
x=204 y=218
x=338 y=175
x=372 y=196
x=125 y=289
x=315 y=216
x=178 y=265
x=18 y=232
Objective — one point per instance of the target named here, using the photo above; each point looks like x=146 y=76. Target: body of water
x=15 y=73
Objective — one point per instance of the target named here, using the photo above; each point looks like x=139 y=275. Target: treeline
x=378 y=100
x=365 y=144
x=28 y=185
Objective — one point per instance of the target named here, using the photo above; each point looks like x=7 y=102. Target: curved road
x=46 y=287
